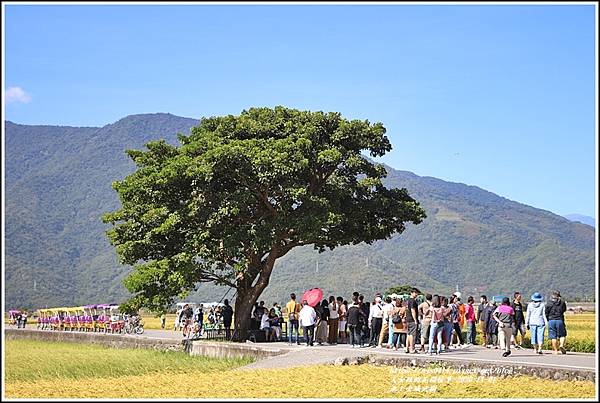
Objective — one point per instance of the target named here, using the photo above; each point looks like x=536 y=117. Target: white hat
x=377 y=299
x=457 y=293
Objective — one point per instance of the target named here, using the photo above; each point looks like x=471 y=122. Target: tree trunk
x=247 y=295
x=244 y=303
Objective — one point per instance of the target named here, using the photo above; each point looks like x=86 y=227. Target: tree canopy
x=399 y=290
x=241 y=191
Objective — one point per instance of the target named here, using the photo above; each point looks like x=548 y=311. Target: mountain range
x=58 y=185
x=591 y=221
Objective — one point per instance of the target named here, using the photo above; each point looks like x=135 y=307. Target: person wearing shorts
x=555 y=312
x=536 y=321
x=342 y=316
x=412 y=321
x=425 y=320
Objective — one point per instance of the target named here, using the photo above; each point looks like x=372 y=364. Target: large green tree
x=242 y=191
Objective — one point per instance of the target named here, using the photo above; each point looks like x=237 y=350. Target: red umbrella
x=312 y=296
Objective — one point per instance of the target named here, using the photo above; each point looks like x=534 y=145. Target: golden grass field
x=36 y=369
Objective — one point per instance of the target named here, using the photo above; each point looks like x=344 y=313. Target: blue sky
x=501 y=97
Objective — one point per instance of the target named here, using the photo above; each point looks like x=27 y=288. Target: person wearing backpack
x=293 y=311
x=491 y=326
x=456 y=321
x=399 y=323
x=355 y=322
x=436 y=312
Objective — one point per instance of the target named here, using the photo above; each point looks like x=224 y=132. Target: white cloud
x=16 y=94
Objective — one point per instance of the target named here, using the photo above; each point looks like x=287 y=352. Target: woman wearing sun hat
x=536 y=321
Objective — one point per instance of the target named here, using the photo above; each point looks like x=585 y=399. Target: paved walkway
x=297 y=355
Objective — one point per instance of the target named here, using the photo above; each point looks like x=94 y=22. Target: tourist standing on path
x=375 y=321
x=519 y=325
x=177 y=323
x=455 y=320
x=354 y=323
x=555 y=312
x=185 y=319
x=536 y=321
x=365 y=307
x=24 y=319
x=343 y=319
x=470 y=318
x=308 y=317
x=504 y=315
x=491 y=326
x=437 y=325
x=293 y=310
x=199 y=319
x=425 y=320
x=447 y=323
x=334 y=318
x=461 y=311
x=322 y=318
x=412 y=321
x=163 y=321
x=385 y=330
x=227 y=314
x=399 y=324
x=482 y=319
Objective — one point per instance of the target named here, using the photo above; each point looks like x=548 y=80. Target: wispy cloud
x=16 y=94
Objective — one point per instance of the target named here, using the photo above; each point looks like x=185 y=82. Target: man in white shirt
x=375 y=321
x=387 y=310
x=308 y=318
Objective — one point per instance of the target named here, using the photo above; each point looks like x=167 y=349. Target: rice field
x=581 y=334
x=36 y=369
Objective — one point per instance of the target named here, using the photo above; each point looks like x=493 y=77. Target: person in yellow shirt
x=292 y=309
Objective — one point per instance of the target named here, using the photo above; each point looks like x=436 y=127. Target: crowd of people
x=192 y=322
x=434 y=325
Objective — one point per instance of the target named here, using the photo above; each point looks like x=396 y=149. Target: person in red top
x=470 y=318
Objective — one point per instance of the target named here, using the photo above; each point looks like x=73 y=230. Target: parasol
x=312 y=296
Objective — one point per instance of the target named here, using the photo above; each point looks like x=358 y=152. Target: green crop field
x=35 y=369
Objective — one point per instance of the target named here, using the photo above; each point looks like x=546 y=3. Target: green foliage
x=84 y=361
x=242 y=191
x=58 y=184
x=399 y=289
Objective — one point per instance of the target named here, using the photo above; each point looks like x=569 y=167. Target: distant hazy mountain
x=58 y=185
x=582 y=219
